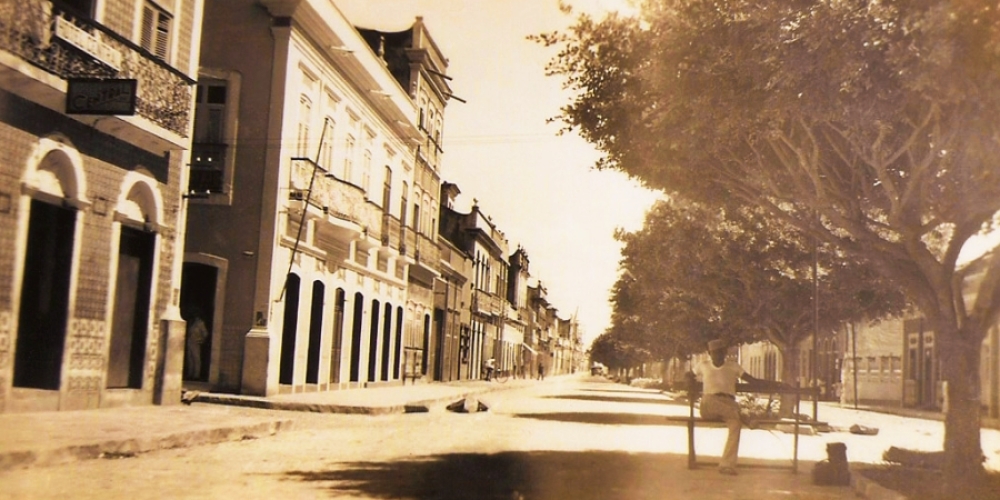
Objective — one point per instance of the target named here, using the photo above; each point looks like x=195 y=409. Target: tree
x=694 y=273
x=870 y=126
x=609 y=350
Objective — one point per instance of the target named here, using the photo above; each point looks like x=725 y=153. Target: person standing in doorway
x=197 y=334
x=718 y=402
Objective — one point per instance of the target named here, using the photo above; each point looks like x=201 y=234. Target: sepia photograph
x=500 y=249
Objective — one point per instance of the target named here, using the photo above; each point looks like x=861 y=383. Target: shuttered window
x=155 y=34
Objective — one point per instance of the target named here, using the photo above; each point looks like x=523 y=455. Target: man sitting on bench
x=719 y=377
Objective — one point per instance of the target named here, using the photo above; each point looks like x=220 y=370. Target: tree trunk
x=963 y=467
x=789 y=375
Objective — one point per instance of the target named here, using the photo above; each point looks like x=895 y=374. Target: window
x=209 y=121
x=416 y=216
x=155 y=33
x=425 y=224
x=209 y=148
x=402 y=206
x=305 y=114
x=349 y=158
x=366 y=172
x=326 y=149
x=387 y=190
x=79 y=8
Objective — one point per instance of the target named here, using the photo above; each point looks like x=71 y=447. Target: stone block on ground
x=467 y=405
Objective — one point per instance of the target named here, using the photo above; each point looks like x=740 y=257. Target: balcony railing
x=68 y=47
x=427 y=251
x=338 y=198
x=206 y=181
x=486 y=303
x=207 y=168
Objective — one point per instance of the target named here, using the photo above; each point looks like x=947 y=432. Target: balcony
x=57 y=47
x=341 y=210
x=486 y=303
x=427 y=252
x=207 y=168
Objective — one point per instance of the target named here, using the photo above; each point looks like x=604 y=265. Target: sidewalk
x=371 y=401
x=50 y=438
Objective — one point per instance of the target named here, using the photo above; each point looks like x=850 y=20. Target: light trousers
x=725 y=408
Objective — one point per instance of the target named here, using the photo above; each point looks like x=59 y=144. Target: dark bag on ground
x=834 y=470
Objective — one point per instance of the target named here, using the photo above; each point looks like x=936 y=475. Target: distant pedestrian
x=541 y=371
x=490 y=366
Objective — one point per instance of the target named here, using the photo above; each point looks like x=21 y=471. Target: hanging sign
x=101 y=96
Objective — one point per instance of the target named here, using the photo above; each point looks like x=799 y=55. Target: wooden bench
x=694 y=391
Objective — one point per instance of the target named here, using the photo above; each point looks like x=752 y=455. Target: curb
x=267 y=404
x=125 y=448
x=416 y=406
x=866 y=488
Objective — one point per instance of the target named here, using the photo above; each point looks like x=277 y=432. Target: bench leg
x=692 y=459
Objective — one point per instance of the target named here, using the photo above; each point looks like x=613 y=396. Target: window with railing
x=209 y=149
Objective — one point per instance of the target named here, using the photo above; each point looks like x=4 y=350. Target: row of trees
x=694 y=273
x=866 y=128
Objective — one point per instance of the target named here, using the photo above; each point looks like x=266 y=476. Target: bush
x=757 y=407
x=647 y=383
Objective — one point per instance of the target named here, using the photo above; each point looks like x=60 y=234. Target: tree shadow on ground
x=542 y=475
x=578 y=417
x=626 y=390
x=615 y=399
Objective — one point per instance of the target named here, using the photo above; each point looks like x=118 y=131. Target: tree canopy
x=868 y=125
x=693 y=273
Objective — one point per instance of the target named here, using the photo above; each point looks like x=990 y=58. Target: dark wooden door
x=44 y=308
x=130 y=320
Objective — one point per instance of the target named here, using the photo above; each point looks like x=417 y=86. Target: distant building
x=95 y=121
x=475 y=234
x=518 y=325
x=452 y=296
x=543 y=327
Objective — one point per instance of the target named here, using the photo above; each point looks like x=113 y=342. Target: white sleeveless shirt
x=719 y=379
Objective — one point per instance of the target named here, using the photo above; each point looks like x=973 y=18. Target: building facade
x=311 y=252
x=543 y=328
x=525 y=356
x=95 y=116
x=475 y=235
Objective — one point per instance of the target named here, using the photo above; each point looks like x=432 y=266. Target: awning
x=526 y=346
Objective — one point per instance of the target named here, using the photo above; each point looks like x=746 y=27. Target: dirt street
x=578 y=439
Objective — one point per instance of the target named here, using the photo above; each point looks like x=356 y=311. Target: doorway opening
x=130 y=319
x=44 y=308
x=199 y=284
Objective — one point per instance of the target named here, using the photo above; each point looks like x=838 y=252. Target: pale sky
x=538 y=187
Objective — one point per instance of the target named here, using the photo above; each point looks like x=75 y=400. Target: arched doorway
x=41 y=331
x=356 y=333
x=386 y=341
x=337 y=336
x=130 y=320
x=54 y=189
x=199 y=285
x=289 y=328
x=373 y=343
x=315 y=333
